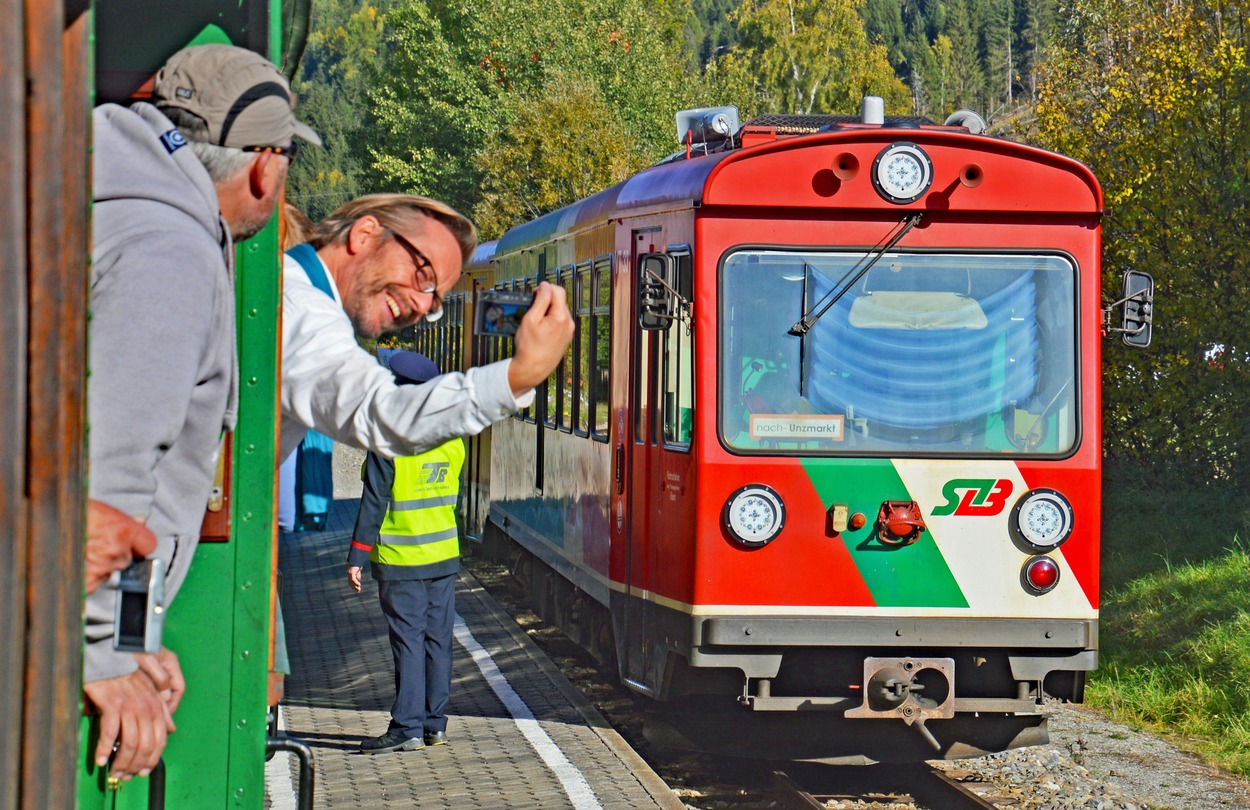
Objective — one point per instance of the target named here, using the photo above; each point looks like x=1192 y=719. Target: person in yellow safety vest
x=406 y=529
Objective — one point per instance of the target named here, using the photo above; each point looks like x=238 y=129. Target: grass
x=1175 y=632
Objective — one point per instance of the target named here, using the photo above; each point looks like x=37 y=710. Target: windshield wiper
x=890 y=240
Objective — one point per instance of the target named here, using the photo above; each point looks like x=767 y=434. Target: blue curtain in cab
x=925 y=378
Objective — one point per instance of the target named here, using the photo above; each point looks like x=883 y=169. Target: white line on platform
x=278 y=779
x=574 y=783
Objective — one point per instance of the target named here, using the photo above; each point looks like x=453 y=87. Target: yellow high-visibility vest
x=420 y=525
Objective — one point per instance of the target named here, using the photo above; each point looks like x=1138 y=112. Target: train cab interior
x=926 y=353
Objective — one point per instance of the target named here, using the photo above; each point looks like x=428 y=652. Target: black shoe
x=436 y=738
x=390 y=741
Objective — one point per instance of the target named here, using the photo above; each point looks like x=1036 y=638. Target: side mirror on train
x=657 y=299
x=1136 y=304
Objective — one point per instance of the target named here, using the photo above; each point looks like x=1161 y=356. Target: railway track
x=736 y=784
x=819 y=787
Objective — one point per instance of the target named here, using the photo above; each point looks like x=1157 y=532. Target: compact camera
x=140 y=614
x=499 y=312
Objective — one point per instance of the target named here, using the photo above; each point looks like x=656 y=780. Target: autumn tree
x=529 y=172
x=1155 y=96
x=806 y=56
x=344 y=47
x=467 y=89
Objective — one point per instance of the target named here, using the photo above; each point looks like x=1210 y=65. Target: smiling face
x=389 y=282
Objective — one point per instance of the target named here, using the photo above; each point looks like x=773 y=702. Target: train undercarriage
x=773 y=687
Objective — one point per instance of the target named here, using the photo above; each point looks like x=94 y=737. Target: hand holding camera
x=499 y=312
x=544 y=334
x=140 y=612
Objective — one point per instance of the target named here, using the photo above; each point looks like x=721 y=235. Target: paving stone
x=341 y=688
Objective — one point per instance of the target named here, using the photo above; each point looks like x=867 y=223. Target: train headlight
x=1041 y=519
x=1040 y=574
x=754 y=515
x=902 y=173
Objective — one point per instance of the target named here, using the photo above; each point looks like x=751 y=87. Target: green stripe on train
x=909 y=576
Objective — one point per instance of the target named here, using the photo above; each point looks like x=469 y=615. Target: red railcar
x=825 y=450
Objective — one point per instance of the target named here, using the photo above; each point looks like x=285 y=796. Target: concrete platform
x=521 y=736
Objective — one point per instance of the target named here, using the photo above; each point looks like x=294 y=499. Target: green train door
x=220 y=625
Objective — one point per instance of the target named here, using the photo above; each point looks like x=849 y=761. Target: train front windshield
x=928 y=353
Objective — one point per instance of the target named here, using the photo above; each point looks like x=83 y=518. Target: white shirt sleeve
x=332 y=385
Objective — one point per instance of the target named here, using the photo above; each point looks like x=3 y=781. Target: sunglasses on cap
x=289 y=151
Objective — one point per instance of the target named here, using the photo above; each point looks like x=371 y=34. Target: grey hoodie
x=162 y=388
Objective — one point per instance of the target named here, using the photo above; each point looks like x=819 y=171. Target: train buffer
x=521 y=736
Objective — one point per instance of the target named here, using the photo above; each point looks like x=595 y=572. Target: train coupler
x=910 y=689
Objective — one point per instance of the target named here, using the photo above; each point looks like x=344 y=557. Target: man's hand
x=133 y=715
x=545 y=332
x=114 y=539
x=353 y=577
x=165 y=673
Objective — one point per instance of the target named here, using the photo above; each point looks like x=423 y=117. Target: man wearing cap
x=176 y=183
x=379 y=264
x=406 y=530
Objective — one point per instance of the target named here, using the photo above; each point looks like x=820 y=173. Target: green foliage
x=1155 y=97
x=805 y=56
x=709 y=31
x=529 y=172
x=479 y=107
x=435 y=104
x=1176 y=654
x=343 y=49
x=1174 y=632
x=1155 y=520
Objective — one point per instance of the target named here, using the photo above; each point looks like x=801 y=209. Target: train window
x=551 y=417
x=676 y=359
x=568 y=367
x=599 y=346
x=581 y=313
x=460 y=337
x=933 y=353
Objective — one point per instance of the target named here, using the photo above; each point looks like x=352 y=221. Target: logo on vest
x=437 y=470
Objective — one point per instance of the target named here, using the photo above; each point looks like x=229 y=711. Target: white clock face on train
x=902 y=173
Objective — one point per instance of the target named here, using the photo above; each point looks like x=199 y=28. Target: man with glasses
x=176 y=183
x=379 y=264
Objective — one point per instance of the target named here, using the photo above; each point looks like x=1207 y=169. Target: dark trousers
x=420 y=614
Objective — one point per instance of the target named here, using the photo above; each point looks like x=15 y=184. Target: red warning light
x=1041 y=574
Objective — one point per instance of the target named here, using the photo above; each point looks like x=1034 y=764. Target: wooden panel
x=57 y=116
x=12 y=393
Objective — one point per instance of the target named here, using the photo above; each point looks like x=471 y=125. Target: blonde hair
x=294 y=227
x=394 y=211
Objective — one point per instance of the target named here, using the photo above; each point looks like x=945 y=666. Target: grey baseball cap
x=242 y=97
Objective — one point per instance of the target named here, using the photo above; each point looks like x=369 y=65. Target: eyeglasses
x=290 y=151
x=427 y=282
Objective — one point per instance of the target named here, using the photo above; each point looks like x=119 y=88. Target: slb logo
x=438 y=471
x=981 y=496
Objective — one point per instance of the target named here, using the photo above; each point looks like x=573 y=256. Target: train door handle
x=618 y=465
